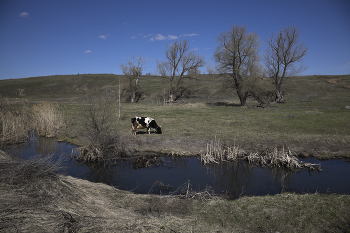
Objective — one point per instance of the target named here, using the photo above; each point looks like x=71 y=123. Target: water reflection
x=235 y=178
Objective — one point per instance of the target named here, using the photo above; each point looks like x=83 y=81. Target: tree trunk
x=279 y=96
x=133 y=97
x=242 y=97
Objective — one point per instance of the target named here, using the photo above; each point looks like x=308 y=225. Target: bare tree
x=283 y=57
x=237 y=55
x=210 y=68
x=179 y=61
x=102 y=142
x=194 y=72
x=133 y=71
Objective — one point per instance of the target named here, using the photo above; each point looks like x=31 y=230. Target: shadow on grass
x=223 y=104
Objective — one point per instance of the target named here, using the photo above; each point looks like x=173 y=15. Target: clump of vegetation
x=98 y=128
x=28 y=187
x=216 y=153
x=47 y=119
x=14 y=123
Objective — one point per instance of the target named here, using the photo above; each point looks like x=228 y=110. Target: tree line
x=237 y=57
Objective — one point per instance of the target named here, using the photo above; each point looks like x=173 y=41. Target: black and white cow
x=143 y=123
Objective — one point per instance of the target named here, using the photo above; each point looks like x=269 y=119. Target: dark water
x=236 y=179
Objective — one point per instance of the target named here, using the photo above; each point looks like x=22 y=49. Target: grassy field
x=312 y=121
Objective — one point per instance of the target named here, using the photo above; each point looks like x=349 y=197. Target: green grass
x=311 y=121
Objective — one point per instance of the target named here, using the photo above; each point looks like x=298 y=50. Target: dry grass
x=14 y=123
x=216 y=153
x=47 y=119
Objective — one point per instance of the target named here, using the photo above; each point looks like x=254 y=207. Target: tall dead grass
x=48 y=118
x=216 y=153
x=28 y=187
x=14 y=123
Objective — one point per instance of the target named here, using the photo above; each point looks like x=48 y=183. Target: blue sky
x=49 y=37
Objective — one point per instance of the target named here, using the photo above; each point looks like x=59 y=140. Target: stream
x=234 y=179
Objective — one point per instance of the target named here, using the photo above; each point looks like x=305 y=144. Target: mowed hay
x=48 y=119
x=216 y=153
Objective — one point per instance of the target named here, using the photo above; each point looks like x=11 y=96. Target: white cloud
x=87 y=51
x=145 y=36
x=103 y=36
x=158 y=37
x=161 y=37
x=193 y=34
x=24 y=14
x=171 y=37
x=133 y=37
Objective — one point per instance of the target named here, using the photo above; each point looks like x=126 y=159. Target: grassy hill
x=202 y=88
x=311 y=121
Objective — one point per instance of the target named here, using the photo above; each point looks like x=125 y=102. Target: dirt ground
x=336 y=81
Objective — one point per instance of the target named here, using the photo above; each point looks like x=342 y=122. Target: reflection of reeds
x=48 y=119
x=14 y=126
x=216 y=153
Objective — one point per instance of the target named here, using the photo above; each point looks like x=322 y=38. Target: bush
x=99 y=128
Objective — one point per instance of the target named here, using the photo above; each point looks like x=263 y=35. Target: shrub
x=99 y=128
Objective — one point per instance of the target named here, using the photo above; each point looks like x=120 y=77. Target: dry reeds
x=14 y=124
x=186 y=192
x=47 y=119
x=216 y=153
x=28 y=171
x=30 y=189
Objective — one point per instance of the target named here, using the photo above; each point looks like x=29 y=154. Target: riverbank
x=57 y=203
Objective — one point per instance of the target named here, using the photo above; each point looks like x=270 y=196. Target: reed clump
x=48 y=119
x=216 y=153
x=14 y=123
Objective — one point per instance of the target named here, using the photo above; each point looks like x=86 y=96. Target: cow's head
x=159 y=130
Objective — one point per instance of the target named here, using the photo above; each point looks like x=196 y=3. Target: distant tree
x=133 y=71
x=237 y=57
x=194 y=72
x=210 y=68
x=283 y=57
x=179 y=62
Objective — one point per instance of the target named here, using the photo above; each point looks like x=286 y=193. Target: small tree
x=283 y=57
x=133 y=71
x=98 y=128
x=237 y=56
x=179 y=61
